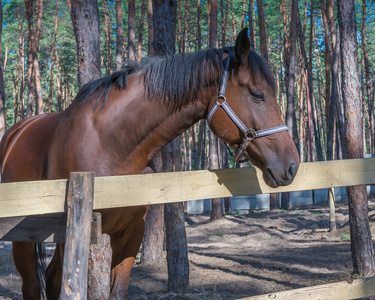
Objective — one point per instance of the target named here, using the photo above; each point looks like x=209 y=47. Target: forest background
x=39 y=61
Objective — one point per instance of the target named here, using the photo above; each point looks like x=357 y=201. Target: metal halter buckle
x=250 y=134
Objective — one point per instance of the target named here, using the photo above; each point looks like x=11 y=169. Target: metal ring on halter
x=220 y=103
x=250 y=134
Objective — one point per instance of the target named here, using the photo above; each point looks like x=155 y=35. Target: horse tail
x=41 y=266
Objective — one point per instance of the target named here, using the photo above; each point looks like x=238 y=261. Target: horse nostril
x=292 y=171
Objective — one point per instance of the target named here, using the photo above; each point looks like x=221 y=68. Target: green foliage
x=344 y=236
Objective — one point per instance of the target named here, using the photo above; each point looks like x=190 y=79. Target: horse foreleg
x=24 y=259
x=54 y=273
x=124 y=251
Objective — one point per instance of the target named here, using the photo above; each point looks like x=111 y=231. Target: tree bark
x=361 y=242
x=131 y=29
x=234 y=29
x=85 y=18
x=54 y=57
x=251 y=24
x=327 y=59
x=199 y=33
x=311 y=97
x=141 y=25
x=30 y=80
x=370 y=102
x=108 y=35
x=291 y=66
x=2 y=90
x=21 y=64
x=286 y=41
x=262 y=30
x=150 y=18
x=119 y=36
x=33 y=49
x=334 y=98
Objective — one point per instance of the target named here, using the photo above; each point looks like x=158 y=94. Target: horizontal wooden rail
x=43 y=197
x=359 y=288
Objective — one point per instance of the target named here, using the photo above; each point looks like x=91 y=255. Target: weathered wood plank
x=205 y=184
x=77 y=240
x=48 y=228
x=359 y=288
x=30 y=198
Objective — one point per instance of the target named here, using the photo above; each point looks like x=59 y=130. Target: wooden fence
x=28 y=206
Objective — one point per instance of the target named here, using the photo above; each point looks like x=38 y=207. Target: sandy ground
x=241 y=255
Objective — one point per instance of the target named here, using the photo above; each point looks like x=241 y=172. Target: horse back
x=24 y=148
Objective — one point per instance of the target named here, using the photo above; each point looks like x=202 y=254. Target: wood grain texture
x=77 y=239
x=30 y=198
x=359 y=288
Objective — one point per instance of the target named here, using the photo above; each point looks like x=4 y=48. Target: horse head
x=246 y=115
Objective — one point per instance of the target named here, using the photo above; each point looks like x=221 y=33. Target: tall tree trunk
x=311 y=97
x=201 y=147
x=33 y=49
x=58 y=84
x=131 y=29
x=291 y=66
x=150 y=18
x=327 y=59
x=251 y=24
x=53 y=59
x=165 y=20
x=234 y=30
x=85 y=19
x=217 y=211
x=184 y=28
x=290 y=111
x=361 y=242
x=141 y=25
x=2 y=90
x=38 y=86
x=286 y=41
x=199 y=32
x=243 y=13
x=223 y=22
x=334 y=98
x=108 y=35
x=119 y=36
x=370 y=102
x=262 y=30
x=21 y=65
x=31 y=41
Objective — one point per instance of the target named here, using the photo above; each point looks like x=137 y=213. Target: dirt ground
x=241 y=255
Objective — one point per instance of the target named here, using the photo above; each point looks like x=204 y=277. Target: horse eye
x=258 y=96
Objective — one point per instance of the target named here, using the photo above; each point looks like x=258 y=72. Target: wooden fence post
x=77 y=241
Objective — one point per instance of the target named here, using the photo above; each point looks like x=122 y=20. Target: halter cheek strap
x=250 y=134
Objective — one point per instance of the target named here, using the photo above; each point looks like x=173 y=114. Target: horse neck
x=152 y=124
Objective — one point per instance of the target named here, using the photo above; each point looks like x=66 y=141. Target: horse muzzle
x=280 y=175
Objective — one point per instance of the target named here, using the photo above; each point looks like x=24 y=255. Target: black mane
x=177 y=79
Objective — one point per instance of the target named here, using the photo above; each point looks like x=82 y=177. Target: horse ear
x=242 y=47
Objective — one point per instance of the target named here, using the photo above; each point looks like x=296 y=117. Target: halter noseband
x=250 y=134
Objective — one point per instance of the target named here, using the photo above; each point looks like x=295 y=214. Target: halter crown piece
x=250 y=134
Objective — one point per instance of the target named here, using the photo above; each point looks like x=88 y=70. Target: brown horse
x=116 y=124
